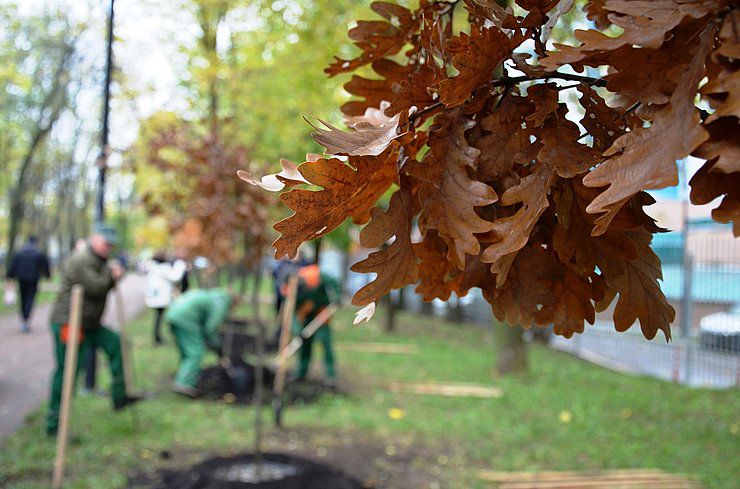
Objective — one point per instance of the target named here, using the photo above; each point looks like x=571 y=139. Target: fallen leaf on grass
x=396 y=413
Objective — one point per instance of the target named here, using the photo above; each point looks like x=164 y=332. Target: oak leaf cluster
x=518 y=165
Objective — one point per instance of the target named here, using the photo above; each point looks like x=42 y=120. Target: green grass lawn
x=565 y=415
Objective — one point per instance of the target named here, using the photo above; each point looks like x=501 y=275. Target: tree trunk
x=317 y=250
x=230 y=274
x=390 y=314
x=345 y=271
x=49 y=112
x=454 y=311
x=512 y=350
x=243 y=281
x=256 y=292
x=426 y=308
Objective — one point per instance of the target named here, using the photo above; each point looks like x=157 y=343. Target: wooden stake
x=258 y=397
x=128 y=371
x=70 y=372
x=286 y=319
x=310 y=329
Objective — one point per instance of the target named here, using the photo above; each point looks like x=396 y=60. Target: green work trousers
x=192 y=346
x=323 y=335
x=102 y=338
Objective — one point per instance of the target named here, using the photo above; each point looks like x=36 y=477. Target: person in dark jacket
x=28 y=266
x=90 y=268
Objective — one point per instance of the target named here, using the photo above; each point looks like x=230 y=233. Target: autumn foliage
x=471 y=132
x=205 y=204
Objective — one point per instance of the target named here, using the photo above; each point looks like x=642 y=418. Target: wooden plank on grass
x=495 y=476
x=628 y=478
x=447 y=389
x=596 y=484
x=400 y=348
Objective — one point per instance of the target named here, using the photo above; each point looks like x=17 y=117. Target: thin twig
x=599 y=82
x=627 y=112
x=417 y=115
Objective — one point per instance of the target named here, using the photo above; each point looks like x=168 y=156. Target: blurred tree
x=37 y=53
x=249 y=79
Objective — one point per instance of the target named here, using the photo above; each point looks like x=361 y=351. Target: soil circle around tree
x=278 y=471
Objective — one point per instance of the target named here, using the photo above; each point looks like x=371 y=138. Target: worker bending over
x=195 y=319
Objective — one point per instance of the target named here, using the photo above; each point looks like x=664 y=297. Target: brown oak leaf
x=572 y=306
x=477 y=56
x=709 y=183
x=561 y=149
x=447 y=194
x=374 y=91
x=288 y=177
x=505 y=142
x=512 y=233
x=599 y=119
x=636 y=283
x=528 y=287
x=346 y=191
x=544 y=99
x=438 y=278
x=377 y=38
x=645 y=158
x=621 y=257
x=394 y=265
x=369 y=134
x=645 y=23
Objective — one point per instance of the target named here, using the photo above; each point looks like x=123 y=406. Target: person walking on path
x=28 y=266
x=315 y=292
x=195 y=319
x=90 y=268
x=160 y=280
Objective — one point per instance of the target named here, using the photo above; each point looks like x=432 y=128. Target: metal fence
x=701 y=279
x=686 y=361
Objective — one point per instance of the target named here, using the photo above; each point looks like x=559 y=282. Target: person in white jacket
x=160 y=280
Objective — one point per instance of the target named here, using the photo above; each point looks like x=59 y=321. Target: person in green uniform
x=316 y=291
x=195 y=318
x=90 y=268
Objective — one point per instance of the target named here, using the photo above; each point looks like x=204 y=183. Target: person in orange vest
x=315 y=291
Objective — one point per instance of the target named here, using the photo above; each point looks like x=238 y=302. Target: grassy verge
x=565 y=415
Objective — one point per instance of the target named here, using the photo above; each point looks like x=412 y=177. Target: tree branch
x=599 y=82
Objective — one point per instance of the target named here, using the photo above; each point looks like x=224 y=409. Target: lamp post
x=102 y=161
x=102 y=164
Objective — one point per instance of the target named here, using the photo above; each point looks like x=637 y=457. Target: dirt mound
x=216 y=384
x=279 y=471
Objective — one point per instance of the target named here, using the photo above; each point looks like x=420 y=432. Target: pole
x=70 y=370
x=104 y=150
x=258 y=396
x=128 y=371
x=686 y=263
x=286 y=318
x=687 y=268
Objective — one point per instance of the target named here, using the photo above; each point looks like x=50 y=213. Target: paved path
x=26 y=360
